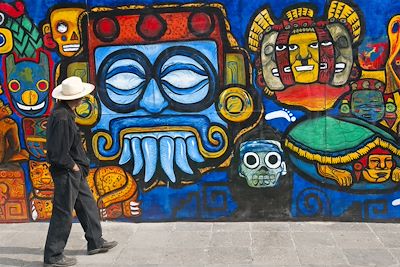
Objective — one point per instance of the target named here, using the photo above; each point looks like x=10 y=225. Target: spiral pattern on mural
x=312 y=202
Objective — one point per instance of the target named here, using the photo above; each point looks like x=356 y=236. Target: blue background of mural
x=311 y=201
x=158 y=202
x=376 y=13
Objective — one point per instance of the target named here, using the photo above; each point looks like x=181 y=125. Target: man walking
x=69 y=167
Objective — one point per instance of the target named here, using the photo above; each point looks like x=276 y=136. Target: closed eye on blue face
x=186 y=76
x=125 y=81
x=123 y=77
x=185 y=83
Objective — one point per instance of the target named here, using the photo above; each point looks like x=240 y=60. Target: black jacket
x=63 y=141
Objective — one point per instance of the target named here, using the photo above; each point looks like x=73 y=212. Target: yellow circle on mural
x=87 y=112
x=6 y=41
x=235 y=104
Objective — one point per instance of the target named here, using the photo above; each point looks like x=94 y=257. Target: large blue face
x=28 y=85
x=159 y=98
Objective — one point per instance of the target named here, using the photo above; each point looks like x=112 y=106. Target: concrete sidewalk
x=216 y=244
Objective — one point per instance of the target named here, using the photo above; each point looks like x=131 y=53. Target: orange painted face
x=379 y=168
x=64 y=29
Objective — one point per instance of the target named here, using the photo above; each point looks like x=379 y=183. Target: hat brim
x=57 y=92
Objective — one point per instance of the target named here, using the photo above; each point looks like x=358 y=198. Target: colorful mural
x=208 y=111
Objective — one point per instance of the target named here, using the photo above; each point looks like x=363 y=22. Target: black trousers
x=71 y=191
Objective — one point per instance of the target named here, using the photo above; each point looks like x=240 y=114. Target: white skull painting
x=261 y=163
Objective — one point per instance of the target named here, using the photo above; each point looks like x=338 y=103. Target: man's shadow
x=17 y=261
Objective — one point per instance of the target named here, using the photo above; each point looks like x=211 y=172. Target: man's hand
x=76 y=168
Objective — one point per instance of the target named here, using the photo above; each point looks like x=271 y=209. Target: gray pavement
x=216 y=244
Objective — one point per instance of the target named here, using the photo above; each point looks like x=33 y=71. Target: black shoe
x=64 y=261
x=106 y=246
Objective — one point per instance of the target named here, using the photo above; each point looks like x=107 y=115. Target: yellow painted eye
x=14 y=85
x=42 y=85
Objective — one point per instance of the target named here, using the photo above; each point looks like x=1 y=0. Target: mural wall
x=274 y=110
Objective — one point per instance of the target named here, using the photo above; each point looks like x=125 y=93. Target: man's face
x=75 y=103
x=304 y=57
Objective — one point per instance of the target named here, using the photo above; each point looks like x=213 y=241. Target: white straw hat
x=72 y=88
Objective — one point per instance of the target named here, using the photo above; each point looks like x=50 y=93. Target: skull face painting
x=64 y=29
x=261 y=163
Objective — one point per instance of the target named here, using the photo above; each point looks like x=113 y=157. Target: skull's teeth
x=264 y=180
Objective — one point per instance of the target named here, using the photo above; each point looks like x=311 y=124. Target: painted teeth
x=71 y=47
x=150 y=154
x=304 y=68
x=169 y=149
x=287 y=69
x=339 y=67
x=264 y=180
x=180 y=156
x=36 y=107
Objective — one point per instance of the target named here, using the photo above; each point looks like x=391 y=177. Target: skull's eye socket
x=251 y=160
x=273 y=160
x=62 y=27
x=280 y=47
x=14 y=85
